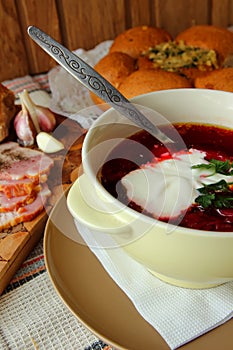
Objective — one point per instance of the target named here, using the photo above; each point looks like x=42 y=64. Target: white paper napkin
x=178 y=314
x=69 y=96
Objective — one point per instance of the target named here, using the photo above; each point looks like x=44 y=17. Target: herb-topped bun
x=209 y=37
x=145 y=59
x=137 y=40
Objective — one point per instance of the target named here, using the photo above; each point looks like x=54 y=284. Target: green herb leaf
x=205 y=200
x=204 y=166
x=218 y=166
x=217 y=195
x=221 y=185
x=221 y=167
x=223 y=201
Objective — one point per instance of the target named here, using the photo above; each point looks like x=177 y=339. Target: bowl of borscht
x=168 y=205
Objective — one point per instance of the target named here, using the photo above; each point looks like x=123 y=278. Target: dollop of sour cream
x=167 y=186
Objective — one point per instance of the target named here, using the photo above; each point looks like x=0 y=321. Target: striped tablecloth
x=32 y=314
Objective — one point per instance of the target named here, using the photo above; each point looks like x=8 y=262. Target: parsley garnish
x=218 y=166
x=220 y=186
x=205 y=200
x=217 y=195
x=221 y=167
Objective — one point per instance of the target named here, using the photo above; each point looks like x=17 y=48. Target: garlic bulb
x=24 y=127
x=42 y=117
x=31 y=120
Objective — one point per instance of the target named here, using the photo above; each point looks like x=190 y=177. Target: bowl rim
x=88 y=170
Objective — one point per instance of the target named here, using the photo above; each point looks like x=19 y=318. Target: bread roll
x=219 y=79
x=132 y=68
x=148 y=80
x=209 y=37
x=136 y=40
x=114 y=67
x=192 y=73
x=143 y=62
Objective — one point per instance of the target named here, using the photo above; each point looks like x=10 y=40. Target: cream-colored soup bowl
x=180 y=256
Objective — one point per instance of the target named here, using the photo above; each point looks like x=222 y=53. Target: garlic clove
x=31 y=107
x=46 y=118
x=24 y=127
x=48 y=144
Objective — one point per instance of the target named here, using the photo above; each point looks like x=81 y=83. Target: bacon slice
x=14 y=203
x=26 y=212
x=18 y=188
x=18 y=163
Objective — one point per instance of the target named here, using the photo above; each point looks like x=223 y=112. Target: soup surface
x=191 y=186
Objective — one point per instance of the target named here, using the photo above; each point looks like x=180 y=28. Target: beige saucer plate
x=97 y=302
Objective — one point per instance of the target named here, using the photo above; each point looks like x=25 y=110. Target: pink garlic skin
x=46 y=119
x=24 y=128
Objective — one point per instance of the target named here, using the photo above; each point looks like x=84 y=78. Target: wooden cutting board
x=17 y=242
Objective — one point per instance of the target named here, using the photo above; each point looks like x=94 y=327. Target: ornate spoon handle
x=94 y=82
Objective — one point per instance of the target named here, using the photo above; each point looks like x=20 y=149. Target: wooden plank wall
x=85 y=23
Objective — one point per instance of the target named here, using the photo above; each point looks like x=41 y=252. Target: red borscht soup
x=205 y=197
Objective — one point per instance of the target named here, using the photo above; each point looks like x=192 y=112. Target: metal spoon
x=95 y=82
